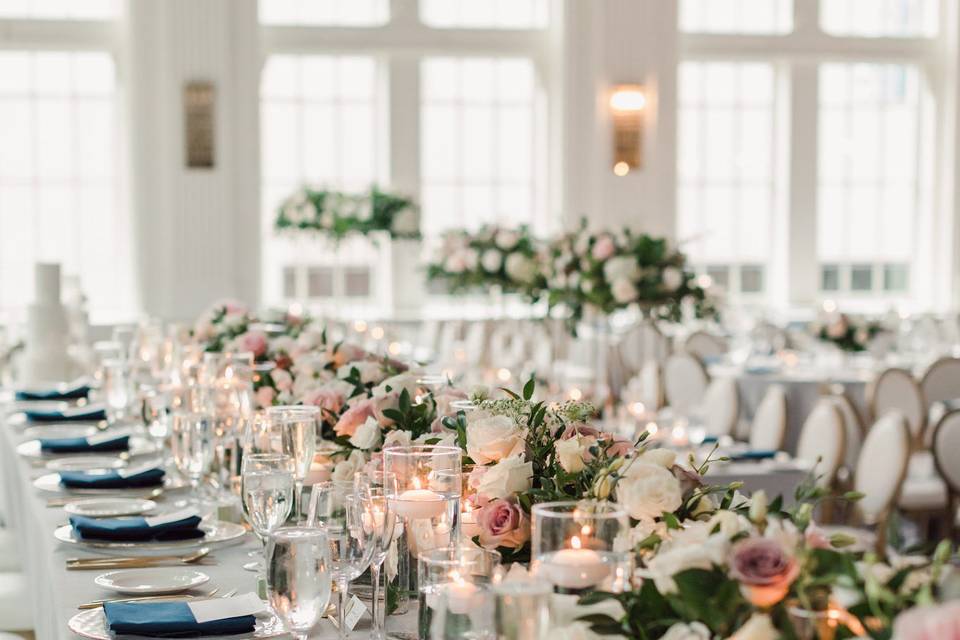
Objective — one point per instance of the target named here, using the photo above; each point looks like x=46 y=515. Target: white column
x=197 y=230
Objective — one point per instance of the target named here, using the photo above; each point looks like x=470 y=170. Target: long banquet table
x=55 y=592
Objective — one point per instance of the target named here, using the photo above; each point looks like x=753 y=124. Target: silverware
x=65 y=500
x=95 y=604
x=139 y=561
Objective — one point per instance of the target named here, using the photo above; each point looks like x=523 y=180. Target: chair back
x=853 y=428
x=685 y=382
x=769 y=425
x=946 y=449
x=941 y=380
x=641 y=343
x=822 y=437
x=897 y=390
x=651 y=385
x=705 y=345
x=882 y=466
x=721 y=407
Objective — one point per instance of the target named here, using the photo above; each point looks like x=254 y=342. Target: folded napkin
x=761 y=370
x=710 y=440
x=177 y=525
x=96 y=442
x=72 y=391
x=86 y=413
x=214 y=617
x=113 y=478
x=754 y=454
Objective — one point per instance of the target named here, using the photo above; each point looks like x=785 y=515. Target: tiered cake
x=48 y=334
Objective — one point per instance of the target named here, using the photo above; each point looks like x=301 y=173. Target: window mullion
x=403 y=116
x=802 y=210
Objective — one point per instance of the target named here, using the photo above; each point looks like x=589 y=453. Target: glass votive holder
x=581 y=545
x=453 y=589
x=521 y=609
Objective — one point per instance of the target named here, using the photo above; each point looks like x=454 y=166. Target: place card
x=173 y=516
x=247 y=604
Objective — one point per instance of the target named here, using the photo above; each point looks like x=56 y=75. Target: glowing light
x=628 y=100
x=575 y=543
x=503 y=375
x=621 y=169
x=359 y=326
x=376 y=333
x=652 y=428
x=829 y=306
x=295 y=309
x=394 y=348
x=575 y=394
x=704 y=281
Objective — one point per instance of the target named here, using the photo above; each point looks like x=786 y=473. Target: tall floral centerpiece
x=337 y=214
x=848 y=334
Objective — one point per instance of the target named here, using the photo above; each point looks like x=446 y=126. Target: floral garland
x=853 y=335
x=339 y=214
x=466 y=261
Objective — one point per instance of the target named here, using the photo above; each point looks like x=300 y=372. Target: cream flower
x=623 y=291
x=571 y=453
x=507 y=478
x=367 y=435
x=758 y=627
x=683 y=631
x=493 y=437
x=647 y=490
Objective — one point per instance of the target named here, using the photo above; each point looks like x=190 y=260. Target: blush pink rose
x=764 y=570
x=579 y=429
x=603 y=248
x=353 y=417
x=345 y=352
x=282 y=379
x=938 y=622
x=503 y=524
x=327 y=399
x=619 y=446
x=234 y=308
x=389 y=401
x=254 y=342
x=265 y=396
x=816 y=538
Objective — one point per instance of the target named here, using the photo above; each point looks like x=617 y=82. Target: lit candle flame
x=575 y=542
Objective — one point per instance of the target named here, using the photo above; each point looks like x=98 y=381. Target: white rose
x=492 y=438
x=520 y=268
x=369 y=371
x=570 y=453
x=619 y=267
x=507 y=478
x=661 y=457
x=491 y=260
x=286 y=344
x=586 y=285
x=397 y=438
x=647 y=490
x=680 y=557
x=363 y=209
x=672 y=278
x=345 y=469
x=367 y=435
x=406 y=222
x=623 y=291
x=507 y=239
x=396 y=384
x=438 y=440
x=455 y=264
x=326 y=220
x=758 y=627
x=692 y=631
x=470 y=258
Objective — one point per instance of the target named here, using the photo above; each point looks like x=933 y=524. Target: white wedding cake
x=46 y=358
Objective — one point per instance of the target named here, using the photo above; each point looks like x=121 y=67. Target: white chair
x=651 y=385
x=823 y=438
x=941 y=380
x=642 y=343
x=705 y=345
x=946 y=456
x=16 y=609
x=853 y=427
x=476 y=343
x=769 y=425
x=447 y=340
x=896 y=390
x=685 y=382
x=721 y=407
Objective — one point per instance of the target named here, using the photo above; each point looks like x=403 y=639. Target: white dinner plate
x=85 y=462
x=51 y=482
x=154 y=581
x=139 y=446
x=217 y=532
x=92 y=624
x=109 y=507
x=59 y=430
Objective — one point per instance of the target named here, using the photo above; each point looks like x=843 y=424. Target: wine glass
x=192 y=444
x=266 y=486
x=297 y=426
x=157 y=403
x=374 y=493
x=117 y=389
x=299 y=577
x=351 y=543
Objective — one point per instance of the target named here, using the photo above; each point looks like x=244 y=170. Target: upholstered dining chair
x=897 y=390
x=946 y=457
x=823 y=441
x=705 y=345
x=685 y=382
x=641 y=343
x=880 y=472
x=769 y=424
x=651 y=385
x=853 y=428
x=721 y=407
x=940 y=384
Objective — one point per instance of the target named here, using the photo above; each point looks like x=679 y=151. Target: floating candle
x=461 y=595
x=575 y=568
x=419 y=504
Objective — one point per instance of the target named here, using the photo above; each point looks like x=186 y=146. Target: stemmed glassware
x=299 y=577
x=157 y=404
x=297 y=426
x=375 y=493
x=266 y=486
x=117 y=389
x=193 y=447
x=351 y=543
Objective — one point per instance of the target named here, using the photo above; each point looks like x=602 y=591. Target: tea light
x=419 y=504
x=469 y=526
x=575 y=568
x=461 y=595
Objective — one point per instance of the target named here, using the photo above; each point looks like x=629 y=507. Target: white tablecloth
x=55 y=592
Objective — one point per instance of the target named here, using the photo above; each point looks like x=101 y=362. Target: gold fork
x=95 y=604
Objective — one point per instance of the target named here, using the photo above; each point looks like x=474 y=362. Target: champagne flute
x=374 y=493
x=117 y=389
x=298 y=577
x=156 y=416
x=266 y=485
x=351 y=543
x=297 y=426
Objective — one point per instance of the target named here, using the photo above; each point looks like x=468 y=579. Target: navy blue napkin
x=111 y=479
x=77 y=414
x=169 y=620
x=62 y=393
x=81 y=445
x=762 y=370
x=710 y=440
x=754 y=454
x=136 y=528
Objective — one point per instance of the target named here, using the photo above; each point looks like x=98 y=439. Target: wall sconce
x=627 y=102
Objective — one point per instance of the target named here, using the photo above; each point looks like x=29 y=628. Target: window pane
x=861 y=277
x=728 y=186
x=481 y=143
x=339 y=13
x=830 y=277
x=870 y=146
x=719 y=276
x=896 y=277
x=59 y=183
x=484 y=14
x=879 y=17
x=319 y=126
x=59 y=9
x=737 y=16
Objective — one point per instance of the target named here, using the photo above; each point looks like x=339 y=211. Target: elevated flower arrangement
x=338 y=214
x=847 y=333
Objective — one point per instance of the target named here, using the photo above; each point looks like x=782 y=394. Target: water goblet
x=266 y=486
x=299 y=577
x=297 y=426
x=193 y=447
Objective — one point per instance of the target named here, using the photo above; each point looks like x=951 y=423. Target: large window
x=844 y=196
x=60 y=182
x=461 y=127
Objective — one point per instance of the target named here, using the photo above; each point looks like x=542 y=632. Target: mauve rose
x=579 y=429
x=283 y=361
x=345 y=352
x=689 y=479
x=764 y=570
x=265 y=396
x=327 y=399
x=618 y=446
x=255 y=342
x=603 y=248
x=355 y=416
x=502 y=524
